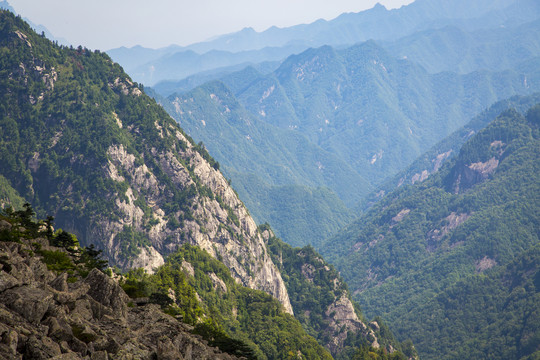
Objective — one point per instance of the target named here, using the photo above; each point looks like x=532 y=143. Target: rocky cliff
x=85 y=141
x=322 y=302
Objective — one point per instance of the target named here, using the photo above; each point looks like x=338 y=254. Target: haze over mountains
x=151 y=66
x=106 y=164
x=402 y=145
x=373 y=107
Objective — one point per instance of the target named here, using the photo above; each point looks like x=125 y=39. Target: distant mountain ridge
x=181 y=64
x=373 y=24
x=453 y=49
x=444 y=49
x=348 y=29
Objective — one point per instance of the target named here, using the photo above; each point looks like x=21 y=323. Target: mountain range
x=400 y=145
x=332 y=118
x=361 y=116
x=118 y=178
x=151 y=66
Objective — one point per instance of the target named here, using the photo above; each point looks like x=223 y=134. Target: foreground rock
x=42 y=316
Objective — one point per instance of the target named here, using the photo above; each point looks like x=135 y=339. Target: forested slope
x=433 y=251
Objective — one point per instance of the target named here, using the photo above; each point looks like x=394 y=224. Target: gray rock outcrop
x=219 y=224
x=43 y=316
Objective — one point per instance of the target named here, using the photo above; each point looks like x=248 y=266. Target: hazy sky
x=106 y=24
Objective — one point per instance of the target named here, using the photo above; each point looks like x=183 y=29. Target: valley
x=364 y=187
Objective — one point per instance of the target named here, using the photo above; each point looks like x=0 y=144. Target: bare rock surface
x=219 y=224
x=42 y=316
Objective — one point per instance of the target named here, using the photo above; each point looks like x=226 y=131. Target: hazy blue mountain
x=432 y=160
x=133 y=57
x=458 y=252
x=178 y=65
x=169 y=87
x=454 y=49
x=379 y=23
x=174 y=63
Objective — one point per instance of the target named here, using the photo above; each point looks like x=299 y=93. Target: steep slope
x=499 y=307
x=82 y=142
x=250 y=316
x=322 y=303
x=451 y=236
x=268 y=165
x=433 y=159
x=40 y=29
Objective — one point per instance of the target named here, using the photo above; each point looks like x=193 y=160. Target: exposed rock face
x=474 y=173
x=400 y=216
x=42 y=316
x=449 y=223
x=342 y=320
x=220 y=225
x=219 y=285
x=339 y=316
x=484 y=264
x=436 y=163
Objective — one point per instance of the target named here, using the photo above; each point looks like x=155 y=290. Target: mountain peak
x=379 y=7
x=247 y=30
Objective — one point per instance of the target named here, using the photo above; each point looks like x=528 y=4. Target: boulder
x=60 y=283
x=29 y=302
x=41 y=348
x=107 y=292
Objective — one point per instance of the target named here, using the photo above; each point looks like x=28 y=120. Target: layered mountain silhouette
x=358 y=117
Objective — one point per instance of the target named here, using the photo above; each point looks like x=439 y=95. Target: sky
x=108 y=24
